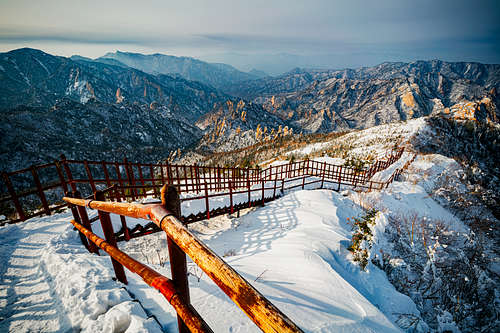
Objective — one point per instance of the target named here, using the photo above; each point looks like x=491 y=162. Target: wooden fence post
x=206 y=201
x=61 y=177
x=129 y=178
x=196 y=176
x=39 y=188
x=249 y=194
x=120 y=181
x=64 y=162
x=178 y=264
x=84 y=219
x=13 y=195
x=263 y=196
x=76 y=217
x=231 y=197
x=89 y=175
x=340 y=177
x=106 y=173
x=152 y=174
x=141 y=178
x=107 y=229
x=323 y=174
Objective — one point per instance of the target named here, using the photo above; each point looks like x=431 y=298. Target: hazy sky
x=323 y=33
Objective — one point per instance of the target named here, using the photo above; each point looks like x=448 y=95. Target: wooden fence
x=37 y=190
x=181 y=242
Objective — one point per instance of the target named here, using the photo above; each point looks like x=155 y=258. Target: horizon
x=271 y=37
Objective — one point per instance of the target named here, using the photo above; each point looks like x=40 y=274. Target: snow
x=309 y=149
x=49 y=283
x=43 y=66
x=293 y=250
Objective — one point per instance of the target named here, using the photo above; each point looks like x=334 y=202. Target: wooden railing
x=181 y=242
x=133 y=180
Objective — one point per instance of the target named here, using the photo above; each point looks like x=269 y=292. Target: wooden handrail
x=258 y=308
x=152 y=278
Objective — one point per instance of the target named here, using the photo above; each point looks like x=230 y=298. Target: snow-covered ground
x=293 y=250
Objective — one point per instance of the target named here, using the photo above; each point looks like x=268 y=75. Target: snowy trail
x=27 y=301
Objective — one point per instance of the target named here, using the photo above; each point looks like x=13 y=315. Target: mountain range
x=220 y=76
x=144 y=106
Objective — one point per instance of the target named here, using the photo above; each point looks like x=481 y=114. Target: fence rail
x=47 y=183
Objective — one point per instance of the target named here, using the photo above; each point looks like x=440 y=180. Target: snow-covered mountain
x=216 y=75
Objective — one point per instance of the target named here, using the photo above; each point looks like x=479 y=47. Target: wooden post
x=141 y=178
x=323 y=174
x=124 y=224
x=206 y=201
x=77 y=219
x=162 y=174
x=13 y=195
x=107 y=229
x=191 y=178
x=120 y=181
x=84 y=220
x=68 y=172
x=218 y=178
x=231 y=197
x=106 y=173
x=248 y=187
x=263 y=197
x=89 y=175
x=274 y=188
x=152 y=174
x=340 y=177
x=129 y=178
x=178 y=264
x=39 y=188
x=61 y=177
x=197 y=177
x=169 y=174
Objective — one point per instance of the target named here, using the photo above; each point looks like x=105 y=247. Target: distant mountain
x=34 y=78
x=333 y=100
x=216 y=75
x=103 y=60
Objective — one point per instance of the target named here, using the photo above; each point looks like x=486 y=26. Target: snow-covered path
x=294 y=250
x=27 y=300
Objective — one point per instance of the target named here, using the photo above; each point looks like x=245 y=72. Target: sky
x=266 y=35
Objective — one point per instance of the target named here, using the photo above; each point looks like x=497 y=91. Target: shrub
x=362 y=237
